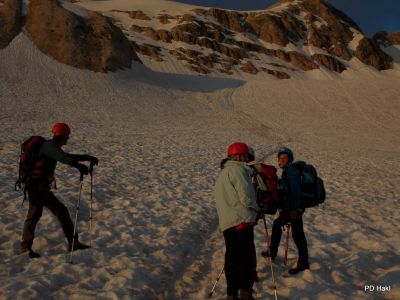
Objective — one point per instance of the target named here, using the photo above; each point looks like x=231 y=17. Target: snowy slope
x=159 y=138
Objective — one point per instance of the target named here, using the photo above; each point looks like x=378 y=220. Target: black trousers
x=240 y=257
x=37 y=199
x=297 y=234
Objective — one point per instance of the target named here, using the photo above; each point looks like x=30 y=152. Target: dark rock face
x=165 y=18
x=92 y=43
x=248 y=67
x=276 y=29
x=189 y=32
x=334 y=33
x=277 y=74
x=197 y=61
x=329 y=62
x=297 y=59
x=148 y=50
x=10 y=20
x=227 y=19
x=369 y=52
x=135 y=14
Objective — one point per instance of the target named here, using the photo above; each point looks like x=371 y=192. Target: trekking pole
x=215 y=283
x=91 y=202
x=76 y=217
x=286 y=243
x=270 y=258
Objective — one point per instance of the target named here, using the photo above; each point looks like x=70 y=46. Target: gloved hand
x=82 y=169
x=93 y=160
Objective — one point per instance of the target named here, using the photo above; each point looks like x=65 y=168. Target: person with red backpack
x=38 y=179
x=237 y=213
x=290 y=211
x=265 y=181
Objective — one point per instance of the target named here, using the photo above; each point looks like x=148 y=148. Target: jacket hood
x=226 y=162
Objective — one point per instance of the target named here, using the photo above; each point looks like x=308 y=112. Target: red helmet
x=237 y=148
x=60 y=129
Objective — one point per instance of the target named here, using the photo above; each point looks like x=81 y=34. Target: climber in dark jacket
x=38 y=187
x=290 y=211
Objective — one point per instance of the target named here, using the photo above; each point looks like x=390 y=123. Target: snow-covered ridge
x=288 y=40
x=167 y=35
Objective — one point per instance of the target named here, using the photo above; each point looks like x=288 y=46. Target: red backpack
x=266 y=182
x=29 y=164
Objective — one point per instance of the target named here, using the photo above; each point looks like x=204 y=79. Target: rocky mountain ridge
x=290 y=36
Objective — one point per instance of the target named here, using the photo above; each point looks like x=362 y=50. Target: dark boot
x=299 y=268
x=246 y=295
x=31 y=253
x=77 y=246
x=232 y=297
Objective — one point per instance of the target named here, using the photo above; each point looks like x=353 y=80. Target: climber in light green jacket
x=235 y=195
x=237 y=212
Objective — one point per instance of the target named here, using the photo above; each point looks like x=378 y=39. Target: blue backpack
x=312 y=186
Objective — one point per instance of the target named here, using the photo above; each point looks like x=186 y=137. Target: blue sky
x=370 y=15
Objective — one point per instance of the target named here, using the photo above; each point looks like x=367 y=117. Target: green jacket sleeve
x=49 y=149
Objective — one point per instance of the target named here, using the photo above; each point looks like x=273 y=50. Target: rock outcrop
x=10 y=20
x=329 y=62
x=91 y=42
x=148 y=50
x=135 y=14
x=248 y=67
x=329 y=29
x=277 y=29
x=277 y=74
x=369 y=52
x=296 y=59
x=197 y=61
x=165 y=18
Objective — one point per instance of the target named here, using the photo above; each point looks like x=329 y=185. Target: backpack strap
x=256 y=166
x=260 y=182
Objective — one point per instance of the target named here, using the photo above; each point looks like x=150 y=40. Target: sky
x=371 y=15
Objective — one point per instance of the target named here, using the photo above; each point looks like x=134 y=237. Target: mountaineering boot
x=231 y=297
x=299 y=268
x=31 y=253
x=246 y=295
x=77 y=246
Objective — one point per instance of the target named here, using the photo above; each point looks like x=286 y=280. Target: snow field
x=160 y=138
